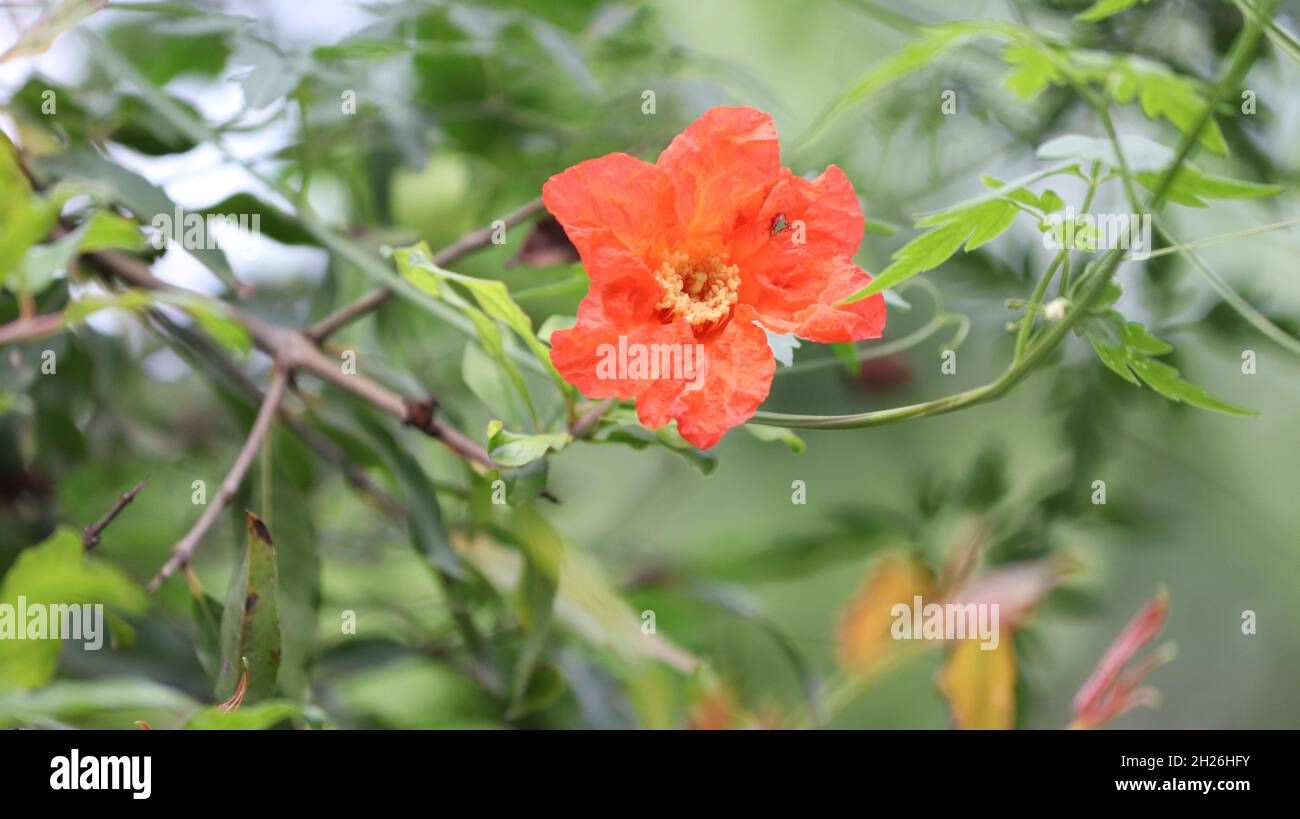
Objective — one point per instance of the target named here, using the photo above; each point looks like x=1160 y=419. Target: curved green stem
x=1035 y=300
x=1240 y=59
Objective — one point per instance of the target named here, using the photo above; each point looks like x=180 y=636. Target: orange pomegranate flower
x=691 y=257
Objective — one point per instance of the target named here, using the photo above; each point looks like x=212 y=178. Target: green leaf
x=1164 y=379
x=207 y=613
x=509 y=449
x=1139 y=338
x=1033 y=70
x=140 y=196
x=1163 y=94
x=250 y=626
x=297 y=572
x=1126 y=351
x=257 y=717
x=120 y=699
x=211 y=316
x=1141 y=153
x=881 y=227
x=847 y=354
x=423 y=509
x=586 y=603
x=56 y=571
x=416 y=265
x=102 y=231
x=270 y=74
x=1105 y=8
x=1109 y=295
x=999 y=191
x=1190 y=185
x=620 y=426
x=60 y=17
x=272 y=221
x=26 y=223
x=108 y=231
x=1147 y=160
x=933 y=44
x=973 y=225
x=544 y=552
x=494 y=345
x=218 y=324
x=492 y=385
x=763 y=432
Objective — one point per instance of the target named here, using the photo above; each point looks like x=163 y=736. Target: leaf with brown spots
x=250 y=625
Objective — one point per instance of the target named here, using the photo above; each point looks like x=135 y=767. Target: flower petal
x=795 y=259
x=613 y=316
x=801 y=301
x=616 y=210
x=736 y=377
x=722 y=166
x=801 y=218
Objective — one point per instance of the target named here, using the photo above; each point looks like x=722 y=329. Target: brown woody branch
x=295 y=351
x=31 y=328
x=90 y=535
x=184 y=548
x=292 y=351
x=354 y=474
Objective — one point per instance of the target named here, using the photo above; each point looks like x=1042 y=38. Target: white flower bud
x=1055 y=309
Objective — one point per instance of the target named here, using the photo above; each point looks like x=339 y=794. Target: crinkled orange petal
x=619 y=308
x=722 y=167
x=816 y=218
x=802 y=301
x=616 y=210
x=737 y=376
x=795 y=257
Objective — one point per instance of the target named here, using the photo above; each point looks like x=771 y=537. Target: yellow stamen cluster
x=701 y=291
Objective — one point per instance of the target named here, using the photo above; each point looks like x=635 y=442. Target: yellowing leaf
x=864 y=641
x=980 y=685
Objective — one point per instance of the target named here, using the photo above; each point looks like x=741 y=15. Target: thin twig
x=31 y=328
x=90 y=535
x=587 y=423
x=184 y=549
x=466 y=244
x=295 y=351
x=329 y=451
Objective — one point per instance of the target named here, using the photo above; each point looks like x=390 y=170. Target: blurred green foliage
x=666 y=583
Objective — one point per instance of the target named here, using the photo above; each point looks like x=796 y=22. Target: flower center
x=703 y=291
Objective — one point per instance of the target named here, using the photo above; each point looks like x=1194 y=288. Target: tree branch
x=90 y=535
x=329 y=451
x=184 y=549
x=31 y=328
x=295 y=351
